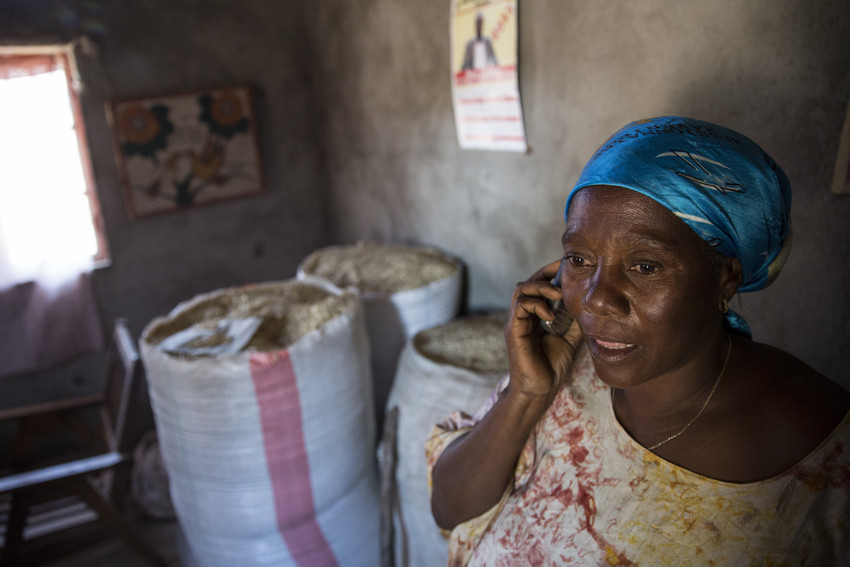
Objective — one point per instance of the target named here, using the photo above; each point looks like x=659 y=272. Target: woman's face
x=641 y=284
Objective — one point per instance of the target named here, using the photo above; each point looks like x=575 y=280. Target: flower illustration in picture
x=223 y=114
x=145 y=130
x=181 y=151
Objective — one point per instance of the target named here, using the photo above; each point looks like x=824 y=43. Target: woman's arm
x=473 y=472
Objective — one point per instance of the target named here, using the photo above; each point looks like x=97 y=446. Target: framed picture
x=179 y=151
x=841 y=176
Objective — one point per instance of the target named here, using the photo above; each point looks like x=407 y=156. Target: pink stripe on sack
x=286 y=455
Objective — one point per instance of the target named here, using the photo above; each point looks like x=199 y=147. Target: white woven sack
x=393 y=318
x=270 y=455
x=426 y=392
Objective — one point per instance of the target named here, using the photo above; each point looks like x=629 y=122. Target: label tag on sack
x=229 y=336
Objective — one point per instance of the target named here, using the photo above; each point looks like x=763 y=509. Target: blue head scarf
x=719 y=182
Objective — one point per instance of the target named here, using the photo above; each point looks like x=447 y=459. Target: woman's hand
x=471 y=475
x=539 y=362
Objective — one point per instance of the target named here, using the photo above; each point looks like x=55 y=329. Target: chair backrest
x=124 y=369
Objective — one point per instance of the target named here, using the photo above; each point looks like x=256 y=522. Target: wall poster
x=180 y=151
x=485 y=85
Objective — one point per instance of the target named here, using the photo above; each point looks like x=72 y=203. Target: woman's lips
x=610 y=350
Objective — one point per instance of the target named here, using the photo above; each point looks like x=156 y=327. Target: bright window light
x=45 y=213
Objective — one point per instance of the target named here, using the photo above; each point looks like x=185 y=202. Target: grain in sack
x=264 y=414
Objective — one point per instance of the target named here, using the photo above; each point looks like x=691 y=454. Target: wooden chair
x=98 y=478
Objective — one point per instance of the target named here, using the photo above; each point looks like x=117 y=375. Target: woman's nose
x=605 y=292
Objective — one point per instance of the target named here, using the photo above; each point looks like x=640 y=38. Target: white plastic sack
x=394 y=317
x=270 y=454
x=426 y=392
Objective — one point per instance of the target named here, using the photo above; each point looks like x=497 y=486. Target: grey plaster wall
x=164 y=46
x=776 y=70
x=357 y=132
x=155 y=47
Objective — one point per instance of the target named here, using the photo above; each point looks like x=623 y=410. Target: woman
x=654 y=431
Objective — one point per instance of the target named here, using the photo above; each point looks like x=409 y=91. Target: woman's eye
x=645 y=269
x=576 y=261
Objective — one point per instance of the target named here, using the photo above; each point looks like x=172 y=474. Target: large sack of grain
x=262 y=401
x=455 y=366
x=404 y=289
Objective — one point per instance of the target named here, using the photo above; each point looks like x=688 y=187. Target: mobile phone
x=562 y=321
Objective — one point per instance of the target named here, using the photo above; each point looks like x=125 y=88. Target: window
x=50 y=224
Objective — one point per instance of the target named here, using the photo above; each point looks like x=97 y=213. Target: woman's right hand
x=472 y=473
x=539 y=362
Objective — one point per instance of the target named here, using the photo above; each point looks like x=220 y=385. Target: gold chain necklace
x=704 y=405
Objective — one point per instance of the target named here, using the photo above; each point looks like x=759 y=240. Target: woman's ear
x=731 y=275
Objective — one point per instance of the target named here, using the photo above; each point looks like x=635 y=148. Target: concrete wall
x=776 y=70
x=359 y=142
x=158 y=47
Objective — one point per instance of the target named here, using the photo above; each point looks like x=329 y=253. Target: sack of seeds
x=454 y=366
x=404 y=289
x=262 y=401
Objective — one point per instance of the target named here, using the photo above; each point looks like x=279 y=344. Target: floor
x=165 y=536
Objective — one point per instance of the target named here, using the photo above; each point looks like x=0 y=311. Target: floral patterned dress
x=586 y=493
